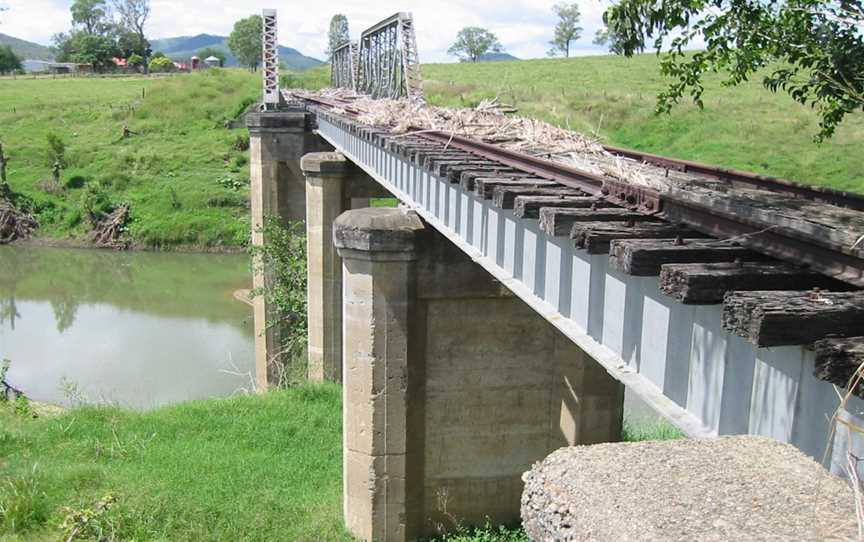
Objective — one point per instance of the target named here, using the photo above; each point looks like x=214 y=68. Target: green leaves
x=818 y=44
x=245 y=41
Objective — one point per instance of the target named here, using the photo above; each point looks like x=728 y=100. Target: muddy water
x=139 y=330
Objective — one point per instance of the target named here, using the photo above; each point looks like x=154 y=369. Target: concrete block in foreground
x=733 y=488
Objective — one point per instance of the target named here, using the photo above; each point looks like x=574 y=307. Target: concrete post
x=378 y=248
x=333 y=185
x=453 y=387
x=325 y=200
x=277 y=140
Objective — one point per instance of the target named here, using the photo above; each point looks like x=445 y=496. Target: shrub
x=161 y=65
x=76 y=181
x=284 y=258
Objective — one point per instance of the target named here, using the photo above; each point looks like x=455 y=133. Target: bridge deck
x=676 y=357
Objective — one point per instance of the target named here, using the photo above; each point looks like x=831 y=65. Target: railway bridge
x=499 y=313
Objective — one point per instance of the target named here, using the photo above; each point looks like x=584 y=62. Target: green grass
x=249 y=468
x=659 y=429
x=186 y=182
x=745 y=127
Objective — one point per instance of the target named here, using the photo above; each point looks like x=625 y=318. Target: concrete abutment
x=453 y=387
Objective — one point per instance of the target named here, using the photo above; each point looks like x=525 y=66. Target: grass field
x=250 y=468
x=185 y=180
x=745 y=127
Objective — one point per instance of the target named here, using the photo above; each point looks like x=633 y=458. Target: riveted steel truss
x=388 y=64
x=270 y=60
x=343 y=66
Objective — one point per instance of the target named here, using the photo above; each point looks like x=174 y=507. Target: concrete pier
x=277 y=141
x=453 y=387
x=333 y=185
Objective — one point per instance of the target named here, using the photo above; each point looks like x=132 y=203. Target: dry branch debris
x=491 y=122
x=109 y=232
x=14 y=224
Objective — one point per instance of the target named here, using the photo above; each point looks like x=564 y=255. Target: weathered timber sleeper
x=596 y=237
x=793 y=318
x=707 y=283
x=643 y=257
x=468 y=179
x=504 y=197
x=529 y=206
x=484 y=186
x=559 y=221
x=839 y=360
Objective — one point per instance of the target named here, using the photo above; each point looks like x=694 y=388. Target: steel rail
x=820 y=255
x=774 y=184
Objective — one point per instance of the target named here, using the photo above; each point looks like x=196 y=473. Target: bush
x=76 y=181
x=284 y=258
x=161 y=65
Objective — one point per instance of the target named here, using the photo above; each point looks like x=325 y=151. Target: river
x=133 y=329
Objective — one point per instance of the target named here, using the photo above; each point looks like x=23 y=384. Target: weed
x=23 y=504
x=94 y=523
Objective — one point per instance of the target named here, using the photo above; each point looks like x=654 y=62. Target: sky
x=524 y=27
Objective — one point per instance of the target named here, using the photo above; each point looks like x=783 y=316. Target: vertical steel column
x=270 y=64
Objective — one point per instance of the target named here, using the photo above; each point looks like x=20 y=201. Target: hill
x=27 y=50
x=497 y=57
x=184 y=47
x=184 y=175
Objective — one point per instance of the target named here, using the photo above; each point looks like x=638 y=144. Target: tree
x=338 y=34
x=81 y=47
x=91 y=16
x=130 y=43
x=133 y=15
x=207 y=52
x=473 y=42
x=567 y=30
x=136 y=62
x=608 y=38
x=9 y=61
x=811 y=49
x=245 y=41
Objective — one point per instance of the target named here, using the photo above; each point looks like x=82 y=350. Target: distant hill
x=27 y=50
x=184 y=47
x=497 y=57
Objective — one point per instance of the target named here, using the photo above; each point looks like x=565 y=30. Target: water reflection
x=136 y=329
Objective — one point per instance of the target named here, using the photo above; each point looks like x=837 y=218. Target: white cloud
x=523 y=26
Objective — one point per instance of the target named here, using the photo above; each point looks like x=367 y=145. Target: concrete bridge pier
x=277 y=141
x=333 y=185
x=453 y=387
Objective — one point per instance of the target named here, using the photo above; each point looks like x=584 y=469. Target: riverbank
x=260 y=467
x=162 y=147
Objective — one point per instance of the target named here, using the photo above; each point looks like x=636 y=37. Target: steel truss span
x=384 y=64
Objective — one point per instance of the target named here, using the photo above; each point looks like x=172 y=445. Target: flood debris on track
x=494 y=123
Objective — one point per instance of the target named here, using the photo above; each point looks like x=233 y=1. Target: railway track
x=758 y=245
x=829 y=254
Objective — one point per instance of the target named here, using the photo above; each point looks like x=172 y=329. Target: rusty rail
x=785 y=244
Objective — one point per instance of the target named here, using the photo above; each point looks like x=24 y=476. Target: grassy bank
x=249 y=468
x=183 y=173
x=745 y=127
